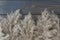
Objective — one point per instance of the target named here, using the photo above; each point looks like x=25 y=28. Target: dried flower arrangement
x=14 y=28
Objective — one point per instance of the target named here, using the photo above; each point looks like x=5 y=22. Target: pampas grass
x=50 y=26
x=15 y=28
